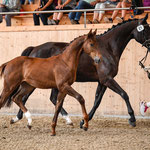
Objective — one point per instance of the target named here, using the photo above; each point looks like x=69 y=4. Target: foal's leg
x=58 y=107
x=98 y=97
x=53 y=99
x=113 y=85
x=70 y=91
x=20 y=112
x=23 y=90
x=7 y=91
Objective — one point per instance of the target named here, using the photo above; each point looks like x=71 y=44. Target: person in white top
x=98 y=15
x=9 y=6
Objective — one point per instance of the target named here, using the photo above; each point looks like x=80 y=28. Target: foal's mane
x=118 y=25
x=73 y=40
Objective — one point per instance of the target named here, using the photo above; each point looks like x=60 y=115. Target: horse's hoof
x=53 y=134
x=133 y=124
x=85 y=128
x=12 y=121
x=81 y=124
x=69 y=123
x=29 y=127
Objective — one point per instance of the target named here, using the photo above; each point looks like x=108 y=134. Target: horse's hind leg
x=113 y=85
x=7 y=91
x=20 y=112
x=53 y=99
x=23 y=90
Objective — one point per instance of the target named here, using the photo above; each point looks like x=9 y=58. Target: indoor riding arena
x=109 y=129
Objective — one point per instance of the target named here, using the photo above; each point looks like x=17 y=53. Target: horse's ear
x=145 y=18
x=89 y=35
x=90 y=31
x=94 y=33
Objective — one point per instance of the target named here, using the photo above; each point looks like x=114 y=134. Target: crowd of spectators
x=45 y=5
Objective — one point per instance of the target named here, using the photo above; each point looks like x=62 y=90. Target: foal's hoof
x=132 y=123
x=53 y=134
x=12 y=121
x=85 y=128
x=81 y=124
x=29 y=127
x=69 y=123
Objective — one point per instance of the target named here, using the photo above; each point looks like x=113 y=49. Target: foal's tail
x=8 y=102
x=27 y=51
x=2 y=68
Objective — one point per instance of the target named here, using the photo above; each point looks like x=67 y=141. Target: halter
x=140 y=28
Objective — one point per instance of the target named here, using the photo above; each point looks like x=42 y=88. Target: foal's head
x=90 y=46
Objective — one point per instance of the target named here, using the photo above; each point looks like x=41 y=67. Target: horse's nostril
x=96 y=59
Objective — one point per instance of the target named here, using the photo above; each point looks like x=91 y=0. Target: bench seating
x=27 y=19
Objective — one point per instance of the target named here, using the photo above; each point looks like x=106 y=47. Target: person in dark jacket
x=44 y=5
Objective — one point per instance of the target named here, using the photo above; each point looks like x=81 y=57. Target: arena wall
x=13 y=40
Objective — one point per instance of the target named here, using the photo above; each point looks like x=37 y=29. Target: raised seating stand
x=27 y=19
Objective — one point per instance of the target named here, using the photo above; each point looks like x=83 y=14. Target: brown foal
x=55 y=72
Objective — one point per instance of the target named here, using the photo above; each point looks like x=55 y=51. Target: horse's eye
x=92 y=45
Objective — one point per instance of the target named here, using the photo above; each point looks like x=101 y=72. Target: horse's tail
x=27 y=51
x=8 y=102
x=2 y=68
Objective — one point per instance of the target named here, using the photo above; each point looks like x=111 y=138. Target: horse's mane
x=118 y=25
x=73 y=41
x=102 y=34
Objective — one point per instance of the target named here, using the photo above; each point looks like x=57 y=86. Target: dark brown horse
x=112 y=45
x=55 y=72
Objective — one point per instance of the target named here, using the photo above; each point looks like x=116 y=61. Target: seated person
x=98 y=15
x=25 y=2
x=44 y=5
x=83 y=4
x=146 y=3
x=121 y=4
x=62 y=5
x=9 y=6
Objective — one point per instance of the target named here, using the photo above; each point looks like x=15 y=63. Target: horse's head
x=90 y=46
x=142 y=32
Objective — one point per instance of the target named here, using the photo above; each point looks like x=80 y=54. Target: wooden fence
x=13 y=40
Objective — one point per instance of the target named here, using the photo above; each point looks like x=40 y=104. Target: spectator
x=25 y=2
x=44 y=5
x=146 y=3
x=62 y=5
x=83 y=4
x=138 y=3
x=143 y=107
x=115 y=13
x=9 y=6
x=98 y=15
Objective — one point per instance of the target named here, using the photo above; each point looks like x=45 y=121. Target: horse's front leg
x=98 y=97
x=53 y=99
x=20 y=112
x=113 y=85
x=58 y=107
